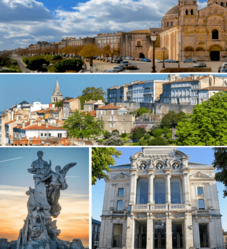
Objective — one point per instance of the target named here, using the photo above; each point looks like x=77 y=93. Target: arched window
x=215 y=34
x=201 y=204
x=186 y=12
x=222 y=4
x=167 y=24
x=120 y=205
x=191 y=12
x=171 y=23
x=138 y=43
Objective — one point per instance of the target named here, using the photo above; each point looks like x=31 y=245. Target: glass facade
x=176 y=196
x=177 y=234
x=140 y=234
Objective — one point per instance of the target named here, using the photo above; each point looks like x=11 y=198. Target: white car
x=110 y=71
x=223 y=67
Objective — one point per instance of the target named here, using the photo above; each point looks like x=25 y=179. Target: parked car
x=124 y=63
x=189 y=61
x=146 y=60
x=131 y=67
x=199 y=64
x=222 y=67
x=141 y=59
x=131 y=58
x=117 y=69
x=158 y=61
x=136 y=59
x=110 y=71
x=117 y=60
x=170 y=61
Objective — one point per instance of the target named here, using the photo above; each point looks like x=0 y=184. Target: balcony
x=157 y=207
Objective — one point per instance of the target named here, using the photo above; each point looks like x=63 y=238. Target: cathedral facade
x=186 y=32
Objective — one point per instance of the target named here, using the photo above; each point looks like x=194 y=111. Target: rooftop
x=108 y=107
x=43 y=127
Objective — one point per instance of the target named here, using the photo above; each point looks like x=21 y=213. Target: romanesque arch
x=215 y=34
x=141 y=55
x=188 y=48
x=215 y=52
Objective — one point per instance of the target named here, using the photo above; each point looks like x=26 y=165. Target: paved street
x=145 y=67
x=21 y=65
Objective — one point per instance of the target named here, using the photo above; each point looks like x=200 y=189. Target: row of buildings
x=161 y=200
x=42 y=124
x=185 y=90
x=185 y=31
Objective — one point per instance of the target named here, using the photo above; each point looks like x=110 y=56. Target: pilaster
x=168 y=231
x=150 y=232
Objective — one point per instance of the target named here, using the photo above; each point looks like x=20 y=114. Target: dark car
x=146 y=60
x=171 y=61
x=189 y=61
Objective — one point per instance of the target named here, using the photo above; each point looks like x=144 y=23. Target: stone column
x=133 y=186
x=168 y=231
x=167 y=184
x=130 y=232
x=186 y=190
x=150 y=232
x=195 y=234
x=151 y=187
x=188 y=230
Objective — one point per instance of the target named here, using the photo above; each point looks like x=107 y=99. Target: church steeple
x=56 y=96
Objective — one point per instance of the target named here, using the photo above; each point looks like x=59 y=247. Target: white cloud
x=27 y=21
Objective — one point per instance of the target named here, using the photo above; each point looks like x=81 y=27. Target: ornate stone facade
x=161 y=200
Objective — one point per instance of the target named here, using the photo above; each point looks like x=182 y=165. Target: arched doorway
x=141 y=55
x=215 y=52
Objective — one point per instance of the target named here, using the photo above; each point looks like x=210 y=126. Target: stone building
x=70 y=106
x=116 y=118
x=96 y=224
x=190 y=90
x=161 y=200
x=57 y=95
x=92 y=105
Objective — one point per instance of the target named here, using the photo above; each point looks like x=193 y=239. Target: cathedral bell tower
x=56 y=96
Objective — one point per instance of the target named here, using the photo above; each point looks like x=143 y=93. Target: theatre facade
x=161 y=200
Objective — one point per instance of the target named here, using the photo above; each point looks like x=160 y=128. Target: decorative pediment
x=200 y=175
x=121 y=176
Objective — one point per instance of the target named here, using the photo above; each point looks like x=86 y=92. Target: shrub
x=157 y=132
x=138 y=133
x=169 y=135
x=123 y=135
x=147 y=137
x=37 y=64
x=70 y=64
x=143 y=142
x=114 y=140
x=158 y=141
x=57 y=57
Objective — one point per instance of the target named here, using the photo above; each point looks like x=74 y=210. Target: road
x=21 y=65
x=145 y=67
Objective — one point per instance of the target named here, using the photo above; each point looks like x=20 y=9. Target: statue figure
x=39 y=166
x=43 y=203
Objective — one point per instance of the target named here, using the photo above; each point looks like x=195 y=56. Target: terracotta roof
x=49 y=111
x=109 y=107
x=221 y=88
x=93 y=113
x=90 y=102
x=43 y=127
x=11 y=121
x=185 y=79
x=70 y=100
x=140 y=31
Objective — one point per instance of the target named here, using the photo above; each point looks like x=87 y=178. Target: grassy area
x=10 y=64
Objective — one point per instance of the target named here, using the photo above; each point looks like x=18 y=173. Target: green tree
x=142 y=110
x=37 y=64
x=91 y=93
x=207 y=125
x=138 y=133
x=59 y=103
x=157 y=132
x=158 y=141
x=83 y=126
x=102 y=158
x=169 y=118
x=220 y=163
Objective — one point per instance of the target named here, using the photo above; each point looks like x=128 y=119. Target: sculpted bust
x=39 y=166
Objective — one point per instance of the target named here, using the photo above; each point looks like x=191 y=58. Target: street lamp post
x=163 y=51
x=154 y=36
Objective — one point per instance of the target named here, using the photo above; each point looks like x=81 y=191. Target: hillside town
x=41 y=124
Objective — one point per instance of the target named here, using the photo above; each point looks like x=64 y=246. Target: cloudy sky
x=73 y=220
x=23 y=22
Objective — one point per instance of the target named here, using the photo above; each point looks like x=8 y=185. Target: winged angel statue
x=39 y=229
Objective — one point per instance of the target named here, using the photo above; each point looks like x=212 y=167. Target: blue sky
x=15 y=88
x=198 y=155
x=23 y=22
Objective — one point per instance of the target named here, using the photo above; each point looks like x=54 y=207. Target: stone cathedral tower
x=56 y=96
